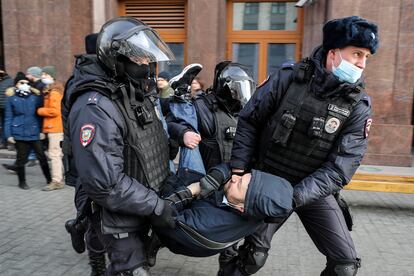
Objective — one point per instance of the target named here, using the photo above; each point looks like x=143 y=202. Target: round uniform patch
x=332 y=125
x=86 y=134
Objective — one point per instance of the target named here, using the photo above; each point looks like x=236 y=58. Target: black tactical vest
x=146 y=150
x=304 y=129
x=225 y=124
x=225 y=131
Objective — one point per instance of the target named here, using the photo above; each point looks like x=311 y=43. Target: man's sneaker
x=10 y=168
x=31 y=163
x=185 y=78
x=53 y=186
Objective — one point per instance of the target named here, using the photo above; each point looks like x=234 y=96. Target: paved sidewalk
x=33 y=240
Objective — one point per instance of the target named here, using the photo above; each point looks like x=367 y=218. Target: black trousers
x=2 y=138
x=326 y=226
x=23 y=149
x=93 y=243
x=126 y=253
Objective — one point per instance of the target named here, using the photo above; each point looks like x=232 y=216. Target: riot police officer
x=83 y=235
x=118 y=143
x=217 y=113
x=309 y=124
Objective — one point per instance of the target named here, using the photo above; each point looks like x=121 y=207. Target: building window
x=247 y=54
x=264 y=34
x=168 y=18
x=173 y=67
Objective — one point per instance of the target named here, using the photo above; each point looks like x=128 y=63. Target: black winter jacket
x=345 y=156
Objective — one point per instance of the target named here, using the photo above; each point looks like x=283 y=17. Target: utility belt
x=96 y=211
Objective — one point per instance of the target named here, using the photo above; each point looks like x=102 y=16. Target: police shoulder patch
x=87 y=133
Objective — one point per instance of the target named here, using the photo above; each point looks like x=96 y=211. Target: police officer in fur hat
x=309 y=124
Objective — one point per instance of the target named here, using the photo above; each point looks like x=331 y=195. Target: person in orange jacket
x=52 y=125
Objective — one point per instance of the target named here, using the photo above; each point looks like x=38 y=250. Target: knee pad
x=334 y=268
x=252 y=258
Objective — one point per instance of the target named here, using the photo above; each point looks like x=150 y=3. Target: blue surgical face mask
x=346 y=71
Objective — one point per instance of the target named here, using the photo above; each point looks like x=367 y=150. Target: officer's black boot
x=22 y=178
x=77 y=228
x=153 y=246
x=250 y=259
x=341 y=268
x=140 y=271
x=98 y=264
x=227 y=261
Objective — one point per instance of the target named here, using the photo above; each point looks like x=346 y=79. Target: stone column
x=206 y=34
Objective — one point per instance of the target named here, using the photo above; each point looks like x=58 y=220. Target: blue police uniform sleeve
x=254 y=117
x=100 y=162
x=342 y=163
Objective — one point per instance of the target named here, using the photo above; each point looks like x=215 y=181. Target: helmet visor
x=241 y=90
x=145 y=46
x=240 y=82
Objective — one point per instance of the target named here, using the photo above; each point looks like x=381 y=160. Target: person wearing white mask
x=22 y=126
x=52 y=124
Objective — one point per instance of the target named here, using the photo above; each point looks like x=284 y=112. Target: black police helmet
x=131 y=38
x=234 y=78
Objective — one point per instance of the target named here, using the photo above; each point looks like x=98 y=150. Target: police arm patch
x=87 y=133
x=368 y=123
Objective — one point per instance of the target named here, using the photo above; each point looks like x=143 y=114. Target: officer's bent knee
x=254 y=261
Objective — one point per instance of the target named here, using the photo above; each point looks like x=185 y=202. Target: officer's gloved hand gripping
x=164 y=218
x=215 y=178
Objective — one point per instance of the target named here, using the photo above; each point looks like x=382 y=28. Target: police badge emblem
x=86 y=134
x=332 y=125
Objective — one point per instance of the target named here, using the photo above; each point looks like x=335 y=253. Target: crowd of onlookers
x=31 y=123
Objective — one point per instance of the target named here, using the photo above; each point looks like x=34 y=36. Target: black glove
x=216 y=176
x=165 y=219
x=180 y=199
